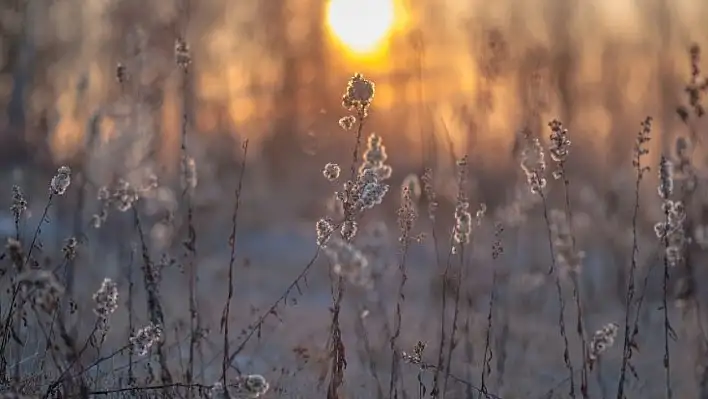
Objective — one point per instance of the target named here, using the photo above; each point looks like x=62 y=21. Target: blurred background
x=452 y=78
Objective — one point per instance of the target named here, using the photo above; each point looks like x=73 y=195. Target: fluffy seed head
x=331 y=171
x=601 y=340
x=61 y=181
x=359 y=94
x=347 y=122
x=145 y=338
x=106 y=299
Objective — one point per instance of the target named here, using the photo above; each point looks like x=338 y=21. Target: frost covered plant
x=560 y=146
x=347 y=122
x=254 y=385
x=462 y=229
x=407 y=215
x=533 y=164
x=358 y=95
x=122 y=196
x=349 y=229
x=366 y=188
x=106 y=299
x=324 y=228
x=375 y=157
x=601 y=340
x=250 y=386
x=19 y=203
x=331 y=171
x=671 y=229
x=415 y=358
x=145 y=338
x=61 y=181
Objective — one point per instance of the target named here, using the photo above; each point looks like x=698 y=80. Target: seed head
x=324 y=228
x=331 y=171
x=254 y=385
x=145 y=338
x=61 y=181
x=601 y=340
x=560 y=147
x=534 y=164
x=19 y=204
x=347 y=122
x=359 y=94
x=69 y=248
x=349 y=230
x=106 y=299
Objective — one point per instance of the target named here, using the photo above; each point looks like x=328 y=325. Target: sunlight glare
x=361 y=25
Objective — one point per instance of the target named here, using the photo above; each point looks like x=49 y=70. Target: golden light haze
x=474 y=70
x=361 y=25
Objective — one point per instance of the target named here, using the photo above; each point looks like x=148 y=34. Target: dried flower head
x=671 y=230
x=407 y=215
x=124 y=195
x=145 y=338
x=601 y=340
x=106 y=299
x=347 y=122
x=69 y=248
x=534 y=164
x=640 y=150
x=560 y=146
x=61 y=181
x=324 y=228
x=359 y=94
x=349 y=229
x=331 y=171
x=254 y=385
x=416 y=357
x=19 y=203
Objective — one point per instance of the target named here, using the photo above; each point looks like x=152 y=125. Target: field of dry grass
x=218 y=199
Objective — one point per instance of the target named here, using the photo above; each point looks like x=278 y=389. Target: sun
x=361 y=25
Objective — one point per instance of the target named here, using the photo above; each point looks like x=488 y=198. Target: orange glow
x=362 y=26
